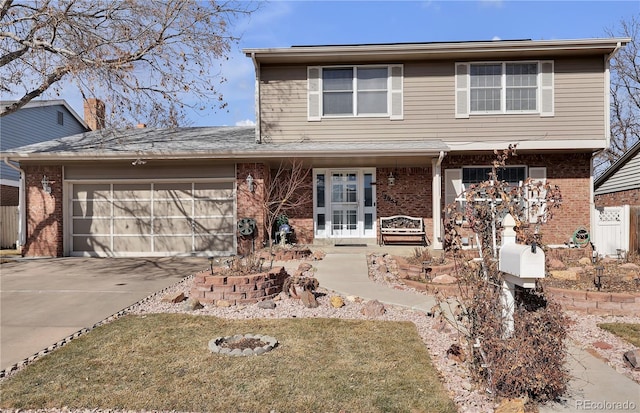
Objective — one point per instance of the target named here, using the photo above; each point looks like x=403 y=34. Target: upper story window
x=355 y=91
x=504 y=87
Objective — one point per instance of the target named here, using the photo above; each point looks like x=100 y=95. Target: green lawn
x=161 y=362
x=627 y=331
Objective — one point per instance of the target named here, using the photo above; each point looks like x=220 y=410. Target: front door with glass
x=344 y=203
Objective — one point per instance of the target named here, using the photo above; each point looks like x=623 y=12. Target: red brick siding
x=301 y=219
x=44 y=236
x=250 y=204
x=9 y=195
x=569 y=171
x=629 y=197
x=410 y=195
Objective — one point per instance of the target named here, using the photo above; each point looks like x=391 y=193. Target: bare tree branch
x=625 y=95
x=138 y=56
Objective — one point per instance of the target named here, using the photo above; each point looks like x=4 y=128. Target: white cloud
x=496 y=38
x=246 y=122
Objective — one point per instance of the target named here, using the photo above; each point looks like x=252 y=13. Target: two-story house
x=385 y=129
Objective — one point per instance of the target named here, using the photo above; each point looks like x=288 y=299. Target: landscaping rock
x=173 y=298
x=318 y=255
x=556 y=264
x=383 y=269
x=577 y=270
x=193 y=304
x=602 y=345
x=337 y=301
x=373 y=308
x=305 y=266
x=511 y=406
x=267 y=305
x=630 y=266
x=632 y=359
x=223 y=303
x=444 y=279
x=584 y=261
x=564 y=275
x=308 y=299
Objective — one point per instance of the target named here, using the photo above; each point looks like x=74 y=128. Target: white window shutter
x=452 y=185
x=314 y=94
x=397 y=99
x=462 y=90
x=546 y=88
x=537 y=197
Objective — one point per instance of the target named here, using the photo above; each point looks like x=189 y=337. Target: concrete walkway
x=595 y=386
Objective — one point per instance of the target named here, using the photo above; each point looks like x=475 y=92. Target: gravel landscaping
x=438 y=337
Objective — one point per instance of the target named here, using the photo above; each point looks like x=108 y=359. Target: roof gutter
x=21 y=204
x=256 y=66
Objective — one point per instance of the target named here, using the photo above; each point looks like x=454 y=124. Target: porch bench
x=403 y=227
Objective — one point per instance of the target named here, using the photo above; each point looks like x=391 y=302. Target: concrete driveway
x=43 y=301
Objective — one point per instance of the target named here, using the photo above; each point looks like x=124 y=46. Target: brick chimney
x=94 y=113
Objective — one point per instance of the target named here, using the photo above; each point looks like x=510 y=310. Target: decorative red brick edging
x=598 y=303
x=221 y=289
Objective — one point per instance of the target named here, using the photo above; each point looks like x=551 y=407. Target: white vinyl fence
x=611 y=229
x=8 y=226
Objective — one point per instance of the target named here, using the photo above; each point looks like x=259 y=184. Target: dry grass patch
x=629 y=332
x=161 y=362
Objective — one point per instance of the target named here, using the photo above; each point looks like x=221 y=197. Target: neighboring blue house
x=37 y=121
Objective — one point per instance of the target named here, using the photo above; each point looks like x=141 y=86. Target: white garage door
x=153 y=219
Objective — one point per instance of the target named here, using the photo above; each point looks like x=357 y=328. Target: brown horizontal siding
x=429 y=108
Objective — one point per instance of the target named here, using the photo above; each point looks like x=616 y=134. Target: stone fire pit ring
x=220 y=345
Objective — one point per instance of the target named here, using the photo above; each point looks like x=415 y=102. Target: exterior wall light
x=46 y=184
x=391 y=179
x=250 y=183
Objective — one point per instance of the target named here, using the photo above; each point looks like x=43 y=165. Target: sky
x=287 y=23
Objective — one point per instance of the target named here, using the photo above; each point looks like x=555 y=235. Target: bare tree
x=288 y=190
x=625 y=95
x=147 y=59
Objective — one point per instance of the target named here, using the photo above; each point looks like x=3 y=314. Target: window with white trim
x=457 y=181
x=504 y=87
x=355 y=91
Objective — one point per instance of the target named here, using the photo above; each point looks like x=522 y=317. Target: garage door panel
x=172 y=208
x=214 y=242
x=213 y=207
x=92 y=209
x=131 y=191
x=91 y=191
x=133 y=243
x=140 y=208
x=167 y=226
x=173 y=243
x=129 y=226
x=214 y=225
x=92 y=243
x=173 y=191
x=91 y=225
x=213 y=190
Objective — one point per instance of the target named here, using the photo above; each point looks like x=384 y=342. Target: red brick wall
x=250 y=204
x=629 y=197
x=9 y=195
x=570 y=172
x=301 y=219
x=410 y=195
x=44 y=236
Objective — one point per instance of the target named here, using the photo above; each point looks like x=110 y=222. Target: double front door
x=344 y=203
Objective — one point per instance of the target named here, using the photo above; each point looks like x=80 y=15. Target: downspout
x=256 y=67
x=21 y=205
x=436 y=196
x=607 y=94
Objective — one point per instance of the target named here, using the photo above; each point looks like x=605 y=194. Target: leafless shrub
x=530 y=360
